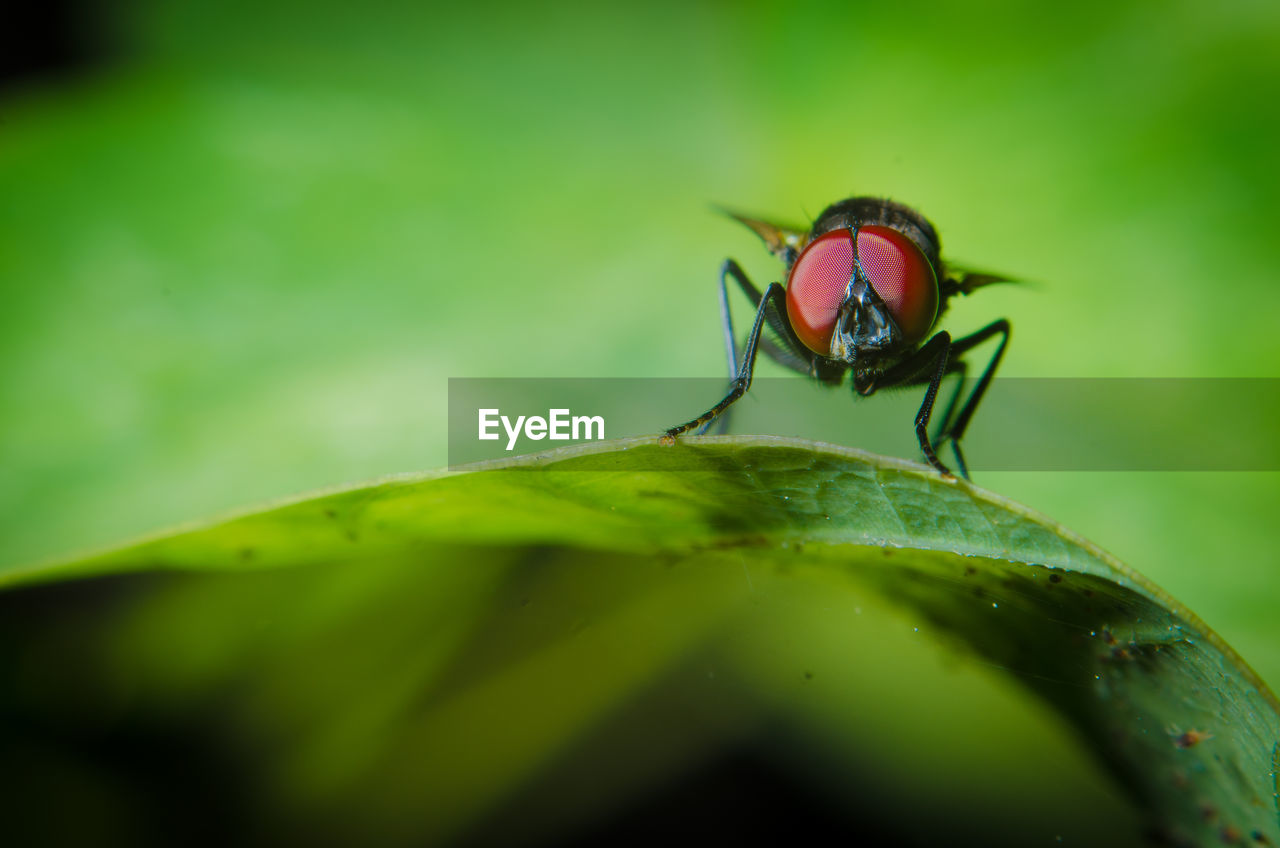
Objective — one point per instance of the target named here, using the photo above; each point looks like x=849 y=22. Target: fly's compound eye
x=902 y=277
x=816 y=288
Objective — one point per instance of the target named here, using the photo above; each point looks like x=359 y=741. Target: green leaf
x=547 y=640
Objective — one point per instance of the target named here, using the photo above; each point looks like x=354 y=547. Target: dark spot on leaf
x=969 y=571
x=808 y=675
x=1191 y=738
x=1108 y=637
x=246 y=554
x=353 y=535
x=1260 y=838
x=730 y=543
x=1230 y=835
x=1055 y=578
x=1208 y=811
x=329 y=513
x=887 y=552
x=657 y=494
x=1088 y=593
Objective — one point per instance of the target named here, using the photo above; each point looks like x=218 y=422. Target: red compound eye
x=816 y=287
x=903 y=278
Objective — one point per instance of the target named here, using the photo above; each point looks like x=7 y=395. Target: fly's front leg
x=775 y=294
x=943 y=343
x=929 y=360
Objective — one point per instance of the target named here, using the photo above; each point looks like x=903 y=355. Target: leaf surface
x=551 y=637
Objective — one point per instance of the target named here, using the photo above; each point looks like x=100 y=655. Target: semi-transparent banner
x=1022 y=424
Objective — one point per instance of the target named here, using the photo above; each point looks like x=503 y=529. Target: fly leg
x=934 y=355
x=774 y=299
x=726 y=322
x=960 y=368
x=955 y=429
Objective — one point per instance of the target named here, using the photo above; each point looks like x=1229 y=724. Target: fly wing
x=963 y=280
x=783 y=242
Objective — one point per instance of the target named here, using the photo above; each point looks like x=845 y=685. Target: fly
x=865 y=287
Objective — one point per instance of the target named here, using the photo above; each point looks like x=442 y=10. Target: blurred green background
x=241 y=256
